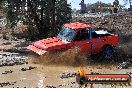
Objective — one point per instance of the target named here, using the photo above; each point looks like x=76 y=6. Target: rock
x=95 y=73
x=6 y=43
x=10 y=60
x=29 y=68
x=60 y=85
x=72 y=82
x=50 y=87
x=5 y=36
x=7 y=84
x=124 y=65
x=6 y=72
x=64 y=75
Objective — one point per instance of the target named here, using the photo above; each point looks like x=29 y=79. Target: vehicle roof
x=101 y=32
x=76 y=25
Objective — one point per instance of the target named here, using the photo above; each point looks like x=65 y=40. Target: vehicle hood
x=50 y=43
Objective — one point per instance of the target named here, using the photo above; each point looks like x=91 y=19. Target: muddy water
x=39 y=77
x=43 y=76
x=48 y=75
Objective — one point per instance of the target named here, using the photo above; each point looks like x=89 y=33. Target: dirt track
x=43 y=76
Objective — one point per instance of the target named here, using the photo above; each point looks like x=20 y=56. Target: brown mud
x=71 y=57
x=50 y=76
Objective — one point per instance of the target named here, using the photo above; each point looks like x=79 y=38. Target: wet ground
x=39 y=77
x=51 y=76
x=16 y=71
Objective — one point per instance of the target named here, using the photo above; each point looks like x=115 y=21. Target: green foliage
x=11 y=18
x=45 y=15
x=63 y=11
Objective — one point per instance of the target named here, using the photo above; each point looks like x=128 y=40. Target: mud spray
x=70 y=57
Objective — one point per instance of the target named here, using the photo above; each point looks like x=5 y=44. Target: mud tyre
x=107 y=53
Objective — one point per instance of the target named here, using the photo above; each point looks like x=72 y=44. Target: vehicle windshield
x=66 y=34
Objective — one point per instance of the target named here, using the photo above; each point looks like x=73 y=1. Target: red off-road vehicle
x=79 y=35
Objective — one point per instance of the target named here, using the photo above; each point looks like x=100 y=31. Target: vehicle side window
x=94 y=35
x=81 y=35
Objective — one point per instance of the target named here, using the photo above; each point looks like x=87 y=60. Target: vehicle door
x=82 y=41
x=97 y=43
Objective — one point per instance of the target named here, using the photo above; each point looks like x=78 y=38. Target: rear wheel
x=107 y=53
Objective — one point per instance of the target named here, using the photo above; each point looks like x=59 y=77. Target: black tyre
x=106 y=54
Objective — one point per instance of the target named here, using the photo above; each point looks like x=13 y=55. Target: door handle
x=87 y=42
x=104 y=39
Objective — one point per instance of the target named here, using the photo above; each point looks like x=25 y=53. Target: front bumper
x=36 y=50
